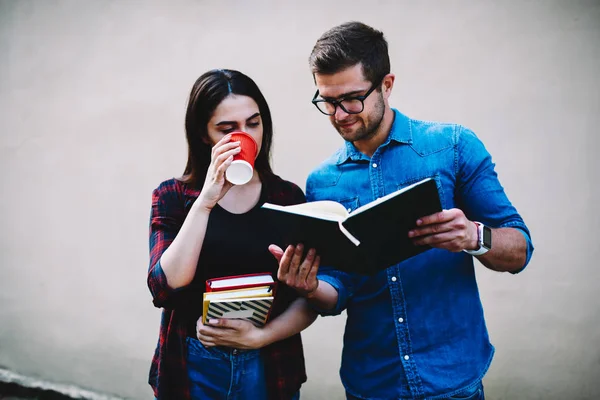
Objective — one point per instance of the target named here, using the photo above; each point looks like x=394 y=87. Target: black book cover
x=381 y=227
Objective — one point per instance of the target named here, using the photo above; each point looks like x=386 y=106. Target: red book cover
x=240 y=282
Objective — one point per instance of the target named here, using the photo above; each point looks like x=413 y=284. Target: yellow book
x=253 y=304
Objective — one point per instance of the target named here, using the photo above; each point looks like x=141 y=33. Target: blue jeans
x=475 y=393
x=223 y=373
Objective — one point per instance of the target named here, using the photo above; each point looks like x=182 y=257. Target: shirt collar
x=400 y=132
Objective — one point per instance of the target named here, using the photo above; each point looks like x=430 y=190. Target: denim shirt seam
x=455 y=139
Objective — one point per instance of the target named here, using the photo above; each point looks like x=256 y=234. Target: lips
x=346 y=125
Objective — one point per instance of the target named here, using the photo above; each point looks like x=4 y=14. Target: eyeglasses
x=350 y=105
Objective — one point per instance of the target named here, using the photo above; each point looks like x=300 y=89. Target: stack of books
x=248 y=297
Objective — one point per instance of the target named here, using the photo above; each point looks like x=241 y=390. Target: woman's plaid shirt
x=284 y=360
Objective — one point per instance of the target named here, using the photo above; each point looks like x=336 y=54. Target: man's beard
x=369 y=127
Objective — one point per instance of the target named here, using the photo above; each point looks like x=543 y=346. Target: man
x=415 y=330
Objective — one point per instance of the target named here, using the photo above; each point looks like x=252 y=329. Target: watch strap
x=482 y=249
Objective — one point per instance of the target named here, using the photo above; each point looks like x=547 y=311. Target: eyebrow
x=235 y=122
x=343 y=95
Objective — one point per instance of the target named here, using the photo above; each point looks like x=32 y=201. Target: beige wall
x=92 y=99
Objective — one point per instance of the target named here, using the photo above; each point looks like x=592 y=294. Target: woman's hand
x=236 y=333
x=215 y=184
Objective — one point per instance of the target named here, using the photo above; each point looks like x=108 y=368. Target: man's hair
x=347 y=45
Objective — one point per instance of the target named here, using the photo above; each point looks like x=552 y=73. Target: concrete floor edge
x=38 y=386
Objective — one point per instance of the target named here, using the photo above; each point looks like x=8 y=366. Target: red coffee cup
x=241 y=169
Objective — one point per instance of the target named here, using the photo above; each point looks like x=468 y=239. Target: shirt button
x=349 y=209
x=394 y=279
x=374 y=165
x=406 y=357
x=235 y=351
x=400 y=319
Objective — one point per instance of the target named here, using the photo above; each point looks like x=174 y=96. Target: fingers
x=297 y=271
x=448 y=230
x=223 y=145
x=222 y=154
x=223 y=157
x=444 y=221
x=306 y=265
x=199 y=323
x=433 y=240
x=212 y=332
x=225 y=323
x=296 y=259
x=203 y=333
x=276 y=251
x=237 y=333
x=311 y=278
x=453 y=240
x=437 y=218
x=207 y=341
x=432 y=230
x=284 y=263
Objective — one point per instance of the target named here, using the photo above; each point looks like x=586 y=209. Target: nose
x=340 y=114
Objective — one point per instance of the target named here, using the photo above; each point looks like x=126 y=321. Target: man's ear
x=388 y=85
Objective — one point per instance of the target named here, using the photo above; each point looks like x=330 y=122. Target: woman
x=204 y=227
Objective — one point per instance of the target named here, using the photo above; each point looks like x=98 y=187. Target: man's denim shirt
x=415 y=330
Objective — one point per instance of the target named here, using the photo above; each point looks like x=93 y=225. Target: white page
x=230 y=295
x=323 y=209
x=264 y=279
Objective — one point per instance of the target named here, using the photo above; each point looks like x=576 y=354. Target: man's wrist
x=310 y=295
x=474 y=241
x=484 y=240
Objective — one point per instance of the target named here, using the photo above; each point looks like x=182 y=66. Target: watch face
x=487 y=237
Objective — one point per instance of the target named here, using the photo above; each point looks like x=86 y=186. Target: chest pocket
x=350 y=204
x=438 y=182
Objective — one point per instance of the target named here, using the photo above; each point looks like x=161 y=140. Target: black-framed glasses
x=350 y=105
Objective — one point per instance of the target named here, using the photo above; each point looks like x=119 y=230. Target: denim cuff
x=530 y=248
x=342 y=296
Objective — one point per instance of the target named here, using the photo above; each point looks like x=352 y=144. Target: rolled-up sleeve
x=479 y=192
x=166 y=217
x=343 y=283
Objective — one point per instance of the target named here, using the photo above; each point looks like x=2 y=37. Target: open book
x=366 y=240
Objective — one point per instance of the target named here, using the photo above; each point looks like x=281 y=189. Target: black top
x=235 y=244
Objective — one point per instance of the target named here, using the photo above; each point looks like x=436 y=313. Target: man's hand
x=448 y=229
x=296 y=272
x=236 y=333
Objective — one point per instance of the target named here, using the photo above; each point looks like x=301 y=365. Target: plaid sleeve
x=166 y=218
